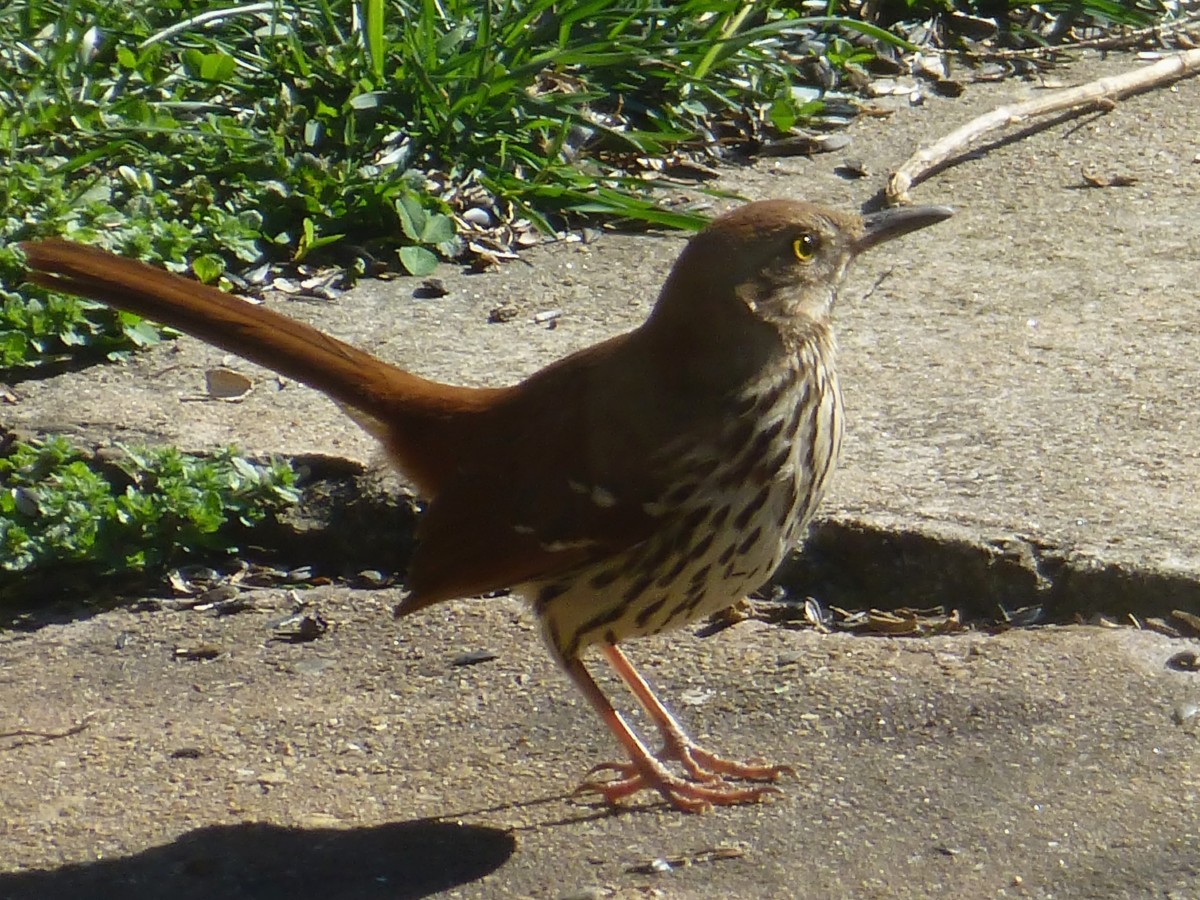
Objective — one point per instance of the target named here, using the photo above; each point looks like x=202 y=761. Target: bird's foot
x=703 y=766
x=686 y=794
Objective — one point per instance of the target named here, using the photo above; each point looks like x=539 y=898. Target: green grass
x=68 y=518
x=281 y=130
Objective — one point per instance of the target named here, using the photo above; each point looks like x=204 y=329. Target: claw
x=682 y=793
x=701 y=765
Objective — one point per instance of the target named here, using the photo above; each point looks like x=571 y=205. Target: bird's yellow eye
x=805 y=246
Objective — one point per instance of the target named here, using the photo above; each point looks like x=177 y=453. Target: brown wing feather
x=560 y=474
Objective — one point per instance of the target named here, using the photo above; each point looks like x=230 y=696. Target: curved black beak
x=892 y=223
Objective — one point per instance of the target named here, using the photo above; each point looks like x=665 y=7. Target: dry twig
x=45 y=736
x=1099 y=94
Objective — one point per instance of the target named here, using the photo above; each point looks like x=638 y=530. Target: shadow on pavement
x=264 y=862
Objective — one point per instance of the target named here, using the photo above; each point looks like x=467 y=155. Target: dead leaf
x=226 y=384
x=1091 y=179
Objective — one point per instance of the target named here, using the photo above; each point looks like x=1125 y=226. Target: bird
x=627 y=489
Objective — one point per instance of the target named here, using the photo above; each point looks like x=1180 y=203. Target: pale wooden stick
x=1094 y=94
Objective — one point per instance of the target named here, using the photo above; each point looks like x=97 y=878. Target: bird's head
x=780 y=261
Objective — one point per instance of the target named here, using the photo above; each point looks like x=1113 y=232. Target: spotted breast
x=739 y=498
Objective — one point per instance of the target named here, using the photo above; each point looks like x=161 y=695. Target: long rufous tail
x=350 y=376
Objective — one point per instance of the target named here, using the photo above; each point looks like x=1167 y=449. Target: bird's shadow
x=257 y=861
x=253 y=861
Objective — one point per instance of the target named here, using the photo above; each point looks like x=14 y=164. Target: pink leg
x=644 y=771
x=699 y=763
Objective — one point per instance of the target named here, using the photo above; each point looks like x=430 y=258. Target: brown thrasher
x=629 y=488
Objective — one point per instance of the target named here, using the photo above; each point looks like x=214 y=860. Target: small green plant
x=425 y=230
x=141 y=511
